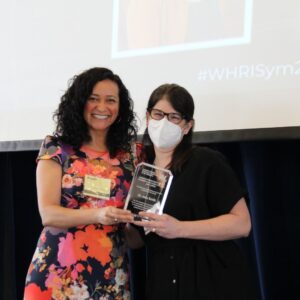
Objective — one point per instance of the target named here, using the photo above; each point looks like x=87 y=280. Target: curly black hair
x=71 y=126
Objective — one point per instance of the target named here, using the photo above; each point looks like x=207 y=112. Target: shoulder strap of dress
x=136 y=153
x=133 y=154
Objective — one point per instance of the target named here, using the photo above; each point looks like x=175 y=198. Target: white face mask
x=163 y=133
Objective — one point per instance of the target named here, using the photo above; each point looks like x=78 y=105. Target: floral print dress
x=83 y=262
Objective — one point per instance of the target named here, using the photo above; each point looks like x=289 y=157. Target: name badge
x=96 y=187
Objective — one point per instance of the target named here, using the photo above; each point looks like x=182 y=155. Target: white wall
x=240 y=59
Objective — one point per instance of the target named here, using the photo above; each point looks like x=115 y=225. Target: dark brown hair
x=182 y=102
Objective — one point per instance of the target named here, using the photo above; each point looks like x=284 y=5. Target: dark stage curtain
x=270 y=171
x=19 y=219
x=7 y=246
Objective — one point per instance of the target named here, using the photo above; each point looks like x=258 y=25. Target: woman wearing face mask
x=190 y=249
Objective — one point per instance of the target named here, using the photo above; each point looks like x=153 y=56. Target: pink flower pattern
x=84 y=262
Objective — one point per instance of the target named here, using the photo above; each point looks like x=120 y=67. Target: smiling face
x=102 y=107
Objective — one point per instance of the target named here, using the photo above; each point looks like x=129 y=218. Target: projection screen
x=240 y=59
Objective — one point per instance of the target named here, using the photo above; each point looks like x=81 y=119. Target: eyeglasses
x=157 y=114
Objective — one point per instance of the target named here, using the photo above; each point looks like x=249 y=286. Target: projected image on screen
x=160 y=26
x=239 y=59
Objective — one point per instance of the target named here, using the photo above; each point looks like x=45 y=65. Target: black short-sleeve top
x=207 y=187
x=198 y=269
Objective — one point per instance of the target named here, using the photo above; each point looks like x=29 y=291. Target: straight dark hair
x=182 y=102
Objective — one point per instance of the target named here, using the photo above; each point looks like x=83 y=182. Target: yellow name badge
x=96 y=187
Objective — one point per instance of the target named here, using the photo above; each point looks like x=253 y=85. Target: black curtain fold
x=7 y=242
x=270 y=171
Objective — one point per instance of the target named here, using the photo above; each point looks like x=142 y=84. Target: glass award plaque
x=149 y=189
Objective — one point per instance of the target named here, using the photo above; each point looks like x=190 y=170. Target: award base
x=140 y=218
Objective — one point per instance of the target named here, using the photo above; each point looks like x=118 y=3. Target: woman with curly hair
x=83 y=176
